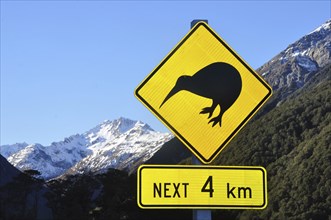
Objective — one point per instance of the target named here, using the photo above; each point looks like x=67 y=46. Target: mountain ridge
x=121 y=138
x=295 y=65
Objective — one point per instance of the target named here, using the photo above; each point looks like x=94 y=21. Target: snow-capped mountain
x=299 y=61
x=130 y=144
x=7 y=150
x=120 y=144
x=52 y=160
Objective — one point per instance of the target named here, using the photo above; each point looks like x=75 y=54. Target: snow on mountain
x=294 y=66
x=120 y=144
x=51 y=160
x=133 y=145
x=7 y=150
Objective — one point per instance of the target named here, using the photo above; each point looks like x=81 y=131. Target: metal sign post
x=199 y=214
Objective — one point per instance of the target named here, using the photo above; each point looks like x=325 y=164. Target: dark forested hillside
x=22 y=196
x=111 y=195
x=293 y=142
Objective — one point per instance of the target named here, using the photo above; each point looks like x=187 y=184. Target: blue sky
x=66 y=66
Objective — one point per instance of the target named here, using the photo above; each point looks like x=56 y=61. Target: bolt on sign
x=202 y=187
x=203 y=92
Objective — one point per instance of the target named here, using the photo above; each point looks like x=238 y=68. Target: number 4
x=209 y=188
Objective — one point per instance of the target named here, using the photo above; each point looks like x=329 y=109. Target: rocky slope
x=294 y=66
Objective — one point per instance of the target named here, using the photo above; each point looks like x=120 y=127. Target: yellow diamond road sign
x=202 y=187
x=203 y=92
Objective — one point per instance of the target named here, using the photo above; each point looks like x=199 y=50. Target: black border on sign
x=140 y=193
x=181 y=138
